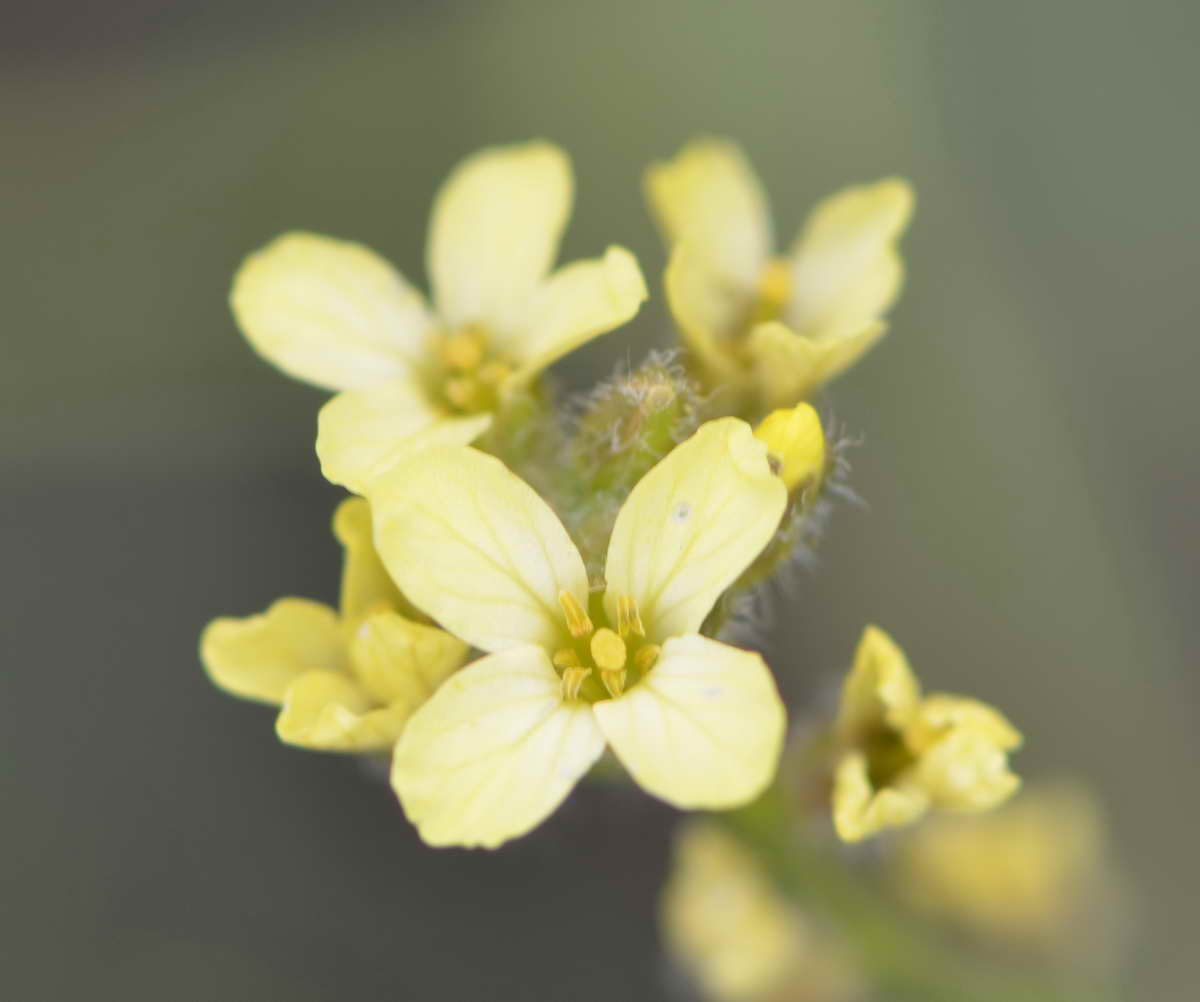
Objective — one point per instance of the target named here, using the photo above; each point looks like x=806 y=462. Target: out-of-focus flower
x=796 y=444
x=346 y=681
x=337 y=315
x=737 y=937
x=501 y=744
x=900 y=754
x=778 y=326
x=1034 y=874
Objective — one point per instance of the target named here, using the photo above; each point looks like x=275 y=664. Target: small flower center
x=774 y=291
x=607 y=653
x=471 y=379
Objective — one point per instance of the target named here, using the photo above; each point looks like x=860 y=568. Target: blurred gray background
x=1029 y=460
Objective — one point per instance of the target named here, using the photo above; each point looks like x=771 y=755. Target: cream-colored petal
x=330 y=711
x=880 y=690
x=494 y=752
x=708 y=308
x=330 y=312
x=966 y=771
x=360 y=434
x=473 y=545
x=691 y=526
x=494 y=232
x=940 y=713
x=860 y=811
x=789 y=367
x=366 y=586
x=709 y=194
x=846 y=271
x=400 y=662
x=703 y=729
x=577 y=303
x=260 y=656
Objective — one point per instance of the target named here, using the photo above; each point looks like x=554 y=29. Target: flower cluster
x=535 y=581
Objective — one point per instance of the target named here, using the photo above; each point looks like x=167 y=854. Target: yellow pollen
x=566 y=658
x=608 y=650
x=645 y=658
x=614 y=682
x=629 y=620
x=461 y=391
x=577 y=620
x=572 y=682
x=775 y=285
x=463 y=350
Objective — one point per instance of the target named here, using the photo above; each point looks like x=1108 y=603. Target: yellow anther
x=645 y=658
x=629 y=620
x=614 y=682
x=566 y=658
x=608 y=650
x=577 y=620
x=572 y=682
x=463 y=350
x=461 y=391
x=775 y=286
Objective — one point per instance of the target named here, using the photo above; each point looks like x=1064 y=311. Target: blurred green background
x=1029 y=460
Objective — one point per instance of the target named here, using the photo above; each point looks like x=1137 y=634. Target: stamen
x=629 y=620
x=646 y=658
x=577 y=620
x=566 y=658
x=493 y=373
x=614 y=682
x=775 y=286
x=572 y=682
x=463 y=350
x=608 y=650
x=461 y=391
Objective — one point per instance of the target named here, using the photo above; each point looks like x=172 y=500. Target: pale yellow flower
x=796 y=444
x=348 y=680
x=737 y=936
x=1026 y=875
x=901 y=755
x=337 y=315
x=780 y=326
x=501 y=744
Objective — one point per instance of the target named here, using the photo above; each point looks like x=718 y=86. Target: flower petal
x=704 y=728
x=400 y=662
x=473 y=545
x=966 y=771
x=361 y=433
x=881 y=689
x=860 y=811
x=259 y=657
x=494 y=752
x=709 y=195
x=691 y=526
x=707 y=308
x=330 y=711
x=366 y=586
x=846 y=271
x=789 y=368
x=494 y=232
x=330 y=312
x=940 y=713
x=577 y=303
